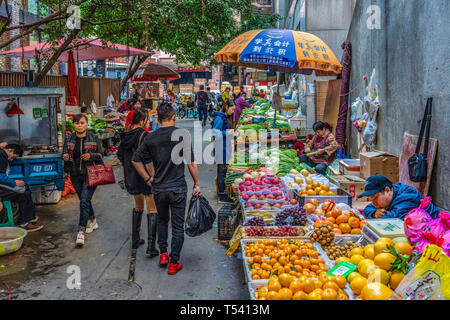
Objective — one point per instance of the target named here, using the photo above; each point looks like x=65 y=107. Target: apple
x=247 y=179
x=257 y=206
x=248 y=205
x=248 y=189
x=256 y=189
x=247 y=183
x=314 y=202
x=293 y=202
x=279 y=198
x=267 y=205
x=245 y=197
x=285 y=198
x=270 y=175
x=267 y=181
x=277 y=205
x=258 y=182
x=276 y=181
x=241 y=188
x=254 y=197
x=285 y=204
x=261 y=197
x=270 y=196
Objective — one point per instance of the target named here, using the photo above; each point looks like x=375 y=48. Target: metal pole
x=278 y=92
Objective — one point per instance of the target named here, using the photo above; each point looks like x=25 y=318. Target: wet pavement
x=44 y=267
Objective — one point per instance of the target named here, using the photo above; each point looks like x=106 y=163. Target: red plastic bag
x=416 y=219
x=444 y=242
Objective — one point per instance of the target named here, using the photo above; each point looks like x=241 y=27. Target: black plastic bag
x=200 y=217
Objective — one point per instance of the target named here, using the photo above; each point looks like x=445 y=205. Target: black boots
x=151 y=225
x=136 y=240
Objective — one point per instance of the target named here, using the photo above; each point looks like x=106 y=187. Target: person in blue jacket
x=392 y=200
x=16 y=190
x=221 y=123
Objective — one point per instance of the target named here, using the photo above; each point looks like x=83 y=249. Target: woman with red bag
x=82 y=149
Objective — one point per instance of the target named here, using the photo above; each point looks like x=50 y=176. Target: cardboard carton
x=379 y=162
x=352 y=184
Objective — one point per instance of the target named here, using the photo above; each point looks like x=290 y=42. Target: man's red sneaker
x=174 y=268
x=163 y=259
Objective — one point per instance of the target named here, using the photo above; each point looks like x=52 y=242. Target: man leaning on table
x=391 y=200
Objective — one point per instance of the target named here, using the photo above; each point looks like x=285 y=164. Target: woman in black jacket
x=82 y=149
x=135 y=185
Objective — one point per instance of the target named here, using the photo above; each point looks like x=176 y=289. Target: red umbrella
x=72 y=81
x=154 y=72
x=86 y=49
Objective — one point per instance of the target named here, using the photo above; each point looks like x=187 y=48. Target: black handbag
x=417 y=164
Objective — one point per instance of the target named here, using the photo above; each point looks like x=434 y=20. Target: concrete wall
x=411 y=54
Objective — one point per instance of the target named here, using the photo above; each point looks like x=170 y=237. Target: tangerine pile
x=317 y=189
x=342 y=223
x=267 y=258
x=285 y=287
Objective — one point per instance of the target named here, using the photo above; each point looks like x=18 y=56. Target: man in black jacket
x=167 y=181
x=202 y=100
x=16 y=190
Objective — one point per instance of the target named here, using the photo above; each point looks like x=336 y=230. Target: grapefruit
x=396 y=278
x=356 y=259
x=369 y=251
x=376 y=291
x=382 y=244
x=379 y=275
x=355 y=251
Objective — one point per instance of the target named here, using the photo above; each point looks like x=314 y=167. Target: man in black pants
x=167 y=181
x=16 y=190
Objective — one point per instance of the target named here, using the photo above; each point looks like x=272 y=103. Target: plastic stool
x=10 y=222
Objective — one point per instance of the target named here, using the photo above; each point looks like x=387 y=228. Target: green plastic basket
x=10 y=222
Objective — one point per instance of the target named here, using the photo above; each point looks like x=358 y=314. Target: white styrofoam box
x=45 y=197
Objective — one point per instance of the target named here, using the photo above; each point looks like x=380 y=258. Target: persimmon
x=353 y=222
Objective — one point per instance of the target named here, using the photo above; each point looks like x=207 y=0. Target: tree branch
x=105 y=22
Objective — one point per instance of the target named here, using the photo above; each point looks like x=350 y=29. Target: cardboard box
x=379 y=162
x=352 y=184
x=350 y=167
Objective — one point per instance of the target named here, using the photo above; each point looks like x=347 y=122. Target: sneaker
x=31 y=227
x=36 y=218
x=80 y=239
x=224 y=198
x=174 y=268
x=163 y=260
x=91 y=226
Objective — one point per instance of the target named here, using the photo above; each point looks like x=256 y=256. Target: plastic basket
x=9 y=215
x=227 y=222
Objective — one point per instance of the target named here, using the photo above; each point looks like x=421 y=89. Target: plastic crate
x=227 y=222
x=342 y=196
x=48 y=195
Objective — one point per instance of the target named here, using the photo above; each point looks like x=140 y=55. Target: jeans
x=25 y=201
x=171 y=204
x=221 y=173
x=211 y=110
x=202 y=113
x=85 y=194
x=321 y=168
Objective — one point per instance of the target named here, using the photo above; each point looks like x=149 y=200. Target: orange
x=263 y=292
x=331 y=219
x=337 y=231
x=317 y=284
x=317 y=191
x=323 y=277
x=311 y=193
x=274 y=285
x=308 y=286
x=340 y=280
x=363 y=265
x=316 y=185
x=345 y=228
x=341 y=219
x=358 y=284
x=353 y=222
x=384 y=260
x=362 y=224
x=329 y=294
x=293 y=258
x=257 y=259
x=404 y=248
x=359 y=251
x=340 y=259
x=300 y=295
x=342 y=296
x=325 y=187
x=285 y=279
x=355 y=231
x=272 y=295
x=295 y=286
x=369 y=251
x=250 y=261
x=314 y=296
x=382 y=244
x=285 y=294
x=331 y=285
x=328 y=222
x=323 y=193
x=336 y=213
x=396 y=278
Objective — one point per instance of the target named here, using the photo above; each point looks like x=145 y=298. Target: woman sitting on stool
x=324 y=145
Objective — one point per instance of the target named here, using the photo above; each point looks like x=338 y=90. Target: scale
x=386 y=228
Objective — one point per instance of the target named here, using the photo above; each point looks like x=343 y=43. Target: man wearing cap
x=391 y=200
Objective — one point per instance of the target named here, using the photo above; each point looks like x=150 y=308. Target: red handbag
x=98 y=175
